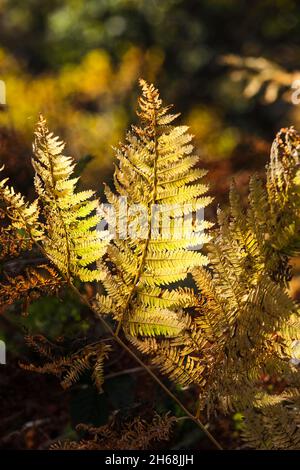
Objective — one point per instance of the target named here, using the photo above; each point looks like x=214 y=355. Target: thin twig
x=133 y=370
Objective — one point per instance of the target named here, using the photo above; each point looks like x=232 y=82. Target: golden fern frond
x=274 y=422
x=178 y=357
x=156 y=322
x=156 y=171
x=34 y=282
x=23 y=216
x=180 y=368
x=245 y=310
x=283 y=181
x=72 y=241
x=137 y=434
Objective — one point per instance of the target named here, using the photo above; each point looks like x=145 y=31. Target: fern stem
x=68 y=260
x=152 y=202
x=133 y=370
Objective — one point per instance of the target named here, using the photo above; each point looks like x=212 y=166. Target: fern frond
x=23 y=215
x=137 y=434
x=283 y=180
x=70 y=368
x=72 y=241
x=40 y=345
x=245 y=310
x=90 y=358
x=12 y=240
x=76 y=367
x=155 y=322
x=273 y=423
x=98 y=368
x=156 y=170
x=42 y=280
x=178 y=357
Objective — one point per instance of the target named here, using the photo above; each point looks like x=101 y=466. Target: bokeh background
x=227 y=65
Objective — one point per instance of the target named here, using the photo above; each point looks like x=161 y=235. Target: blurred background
x=78 y=62
x=227 y=65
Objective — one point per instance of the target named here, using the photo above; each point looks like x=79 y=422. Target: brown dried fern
x=34 y=282
x=71 y=367
x=137 y=434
